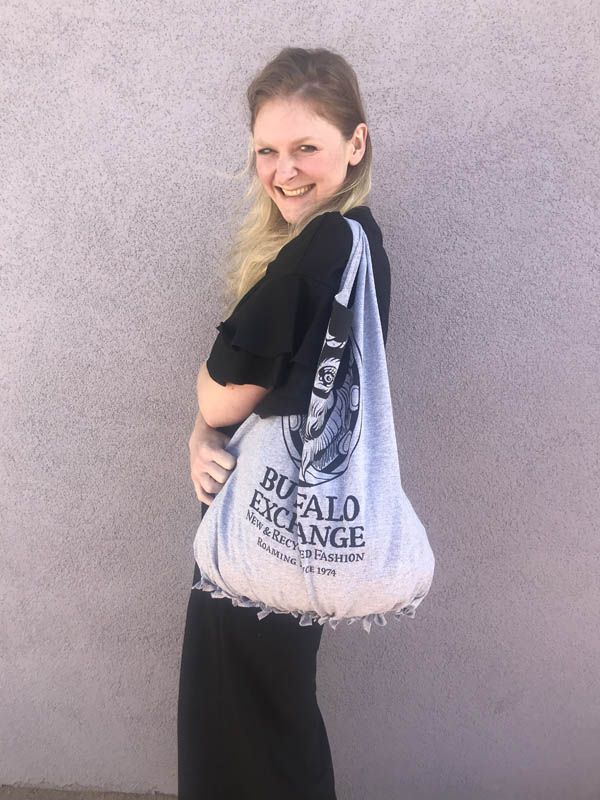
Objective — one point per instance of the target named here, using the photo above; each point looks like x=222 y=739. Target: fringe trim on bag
x=308 y=617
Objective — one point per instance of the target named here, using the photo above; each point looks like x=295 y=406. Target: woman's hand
x=210 y=463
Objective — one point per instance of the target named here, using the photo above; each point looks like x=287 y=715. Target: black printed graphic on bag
x=332 y=428
x=320 y=445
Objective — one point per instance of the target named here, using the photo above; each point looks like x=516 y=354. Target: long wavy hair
x=324 y=80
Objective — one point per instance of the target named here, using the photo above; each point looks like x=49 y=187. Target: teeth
x=296 y=192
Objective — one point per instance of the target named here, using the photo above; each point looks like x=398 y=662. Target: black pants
x=248 y=725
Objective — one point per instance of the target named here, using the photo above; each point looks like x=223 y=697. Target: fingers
x=206 y=486
x=203 y=497
x=206 y=456
x=210 y=466
x=224 y=459
x=216 y=473
x=209 y=484
x=210 y=474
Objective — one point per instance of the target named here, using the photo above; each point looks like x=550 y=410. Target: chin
x=292 y=215
x=287 y=215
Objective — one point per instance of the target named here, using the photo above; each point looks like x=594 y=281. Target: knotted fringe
x=307 y=617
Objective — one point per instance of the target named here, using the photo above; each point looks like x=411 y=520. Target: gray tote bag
x=313 y=520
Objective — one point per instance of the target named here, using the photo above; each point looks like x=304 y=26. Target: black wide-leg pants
x=249 y=726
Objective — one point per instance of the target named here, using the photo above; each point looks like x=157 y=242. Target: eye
x=266 y=150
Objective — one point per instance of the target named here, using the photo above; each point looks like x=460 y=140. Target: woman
x=249 y=725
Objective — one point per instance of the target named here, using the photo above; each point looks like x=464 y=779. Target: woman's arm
x=226 y=405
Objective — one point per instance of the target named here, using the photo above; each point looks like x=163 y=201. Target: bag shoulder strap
x=349 y=274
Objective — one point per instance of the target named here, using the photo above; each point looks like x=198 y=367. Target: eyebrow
x=296 y=141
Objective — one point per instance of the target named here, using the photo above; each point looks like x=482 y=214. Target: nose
x=286 y=170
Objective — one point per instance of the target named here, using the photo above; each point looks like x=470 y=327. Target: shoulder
x=317 y=252
x=364 y=215
x=321 y=250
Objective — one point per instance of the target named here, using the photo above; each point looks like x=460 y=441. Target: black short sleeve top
x=273 y=337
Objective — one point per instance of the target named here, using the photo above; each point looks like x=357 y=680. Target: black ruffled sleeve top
x=273 y=337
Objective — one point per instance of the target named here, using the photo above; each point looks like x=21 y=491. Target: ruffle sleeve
x=280 y=322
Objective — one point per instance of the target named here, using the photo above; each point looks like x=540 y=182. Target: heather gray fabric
x=313 y=520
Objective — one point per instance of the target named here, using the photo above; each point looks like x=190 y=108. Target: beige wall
x=120 y=124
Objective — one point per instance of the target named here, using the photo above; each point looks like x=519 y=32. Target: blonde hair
x=326 y=81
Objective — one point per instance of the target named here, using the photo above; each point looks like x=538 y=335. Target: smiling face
x=298 y=150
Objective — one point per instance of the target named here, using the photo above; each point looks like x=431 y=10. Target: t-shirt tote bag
x=313 y=521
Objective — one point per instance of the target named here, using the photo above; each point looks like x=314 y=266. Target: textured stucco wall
x=120 y=126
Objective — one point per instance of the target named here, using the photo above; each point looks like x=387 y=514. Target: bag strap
x=351 y=269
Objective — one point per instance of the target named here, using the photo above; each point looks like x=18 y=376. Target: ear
x=359 y=141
